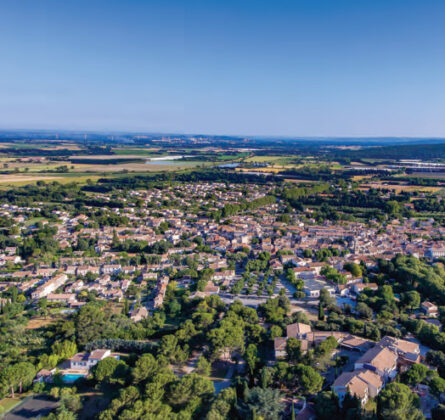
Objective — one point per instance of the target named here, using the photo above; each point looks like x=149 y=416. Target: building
x=312 y=287
x=88 y=360
x=139 y=314
x=435 y=252
x=44 y=375
x=279 y=344
x=359 y=383
x=49 y=286
x=407 y=351
x=298 y=330
x=357 y=344
x=430 y=309
x=359 y=287
x=380 y=360
x=61 y=297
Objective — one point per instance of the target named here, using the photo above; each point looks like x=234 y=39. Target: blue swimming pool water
x=71 y=378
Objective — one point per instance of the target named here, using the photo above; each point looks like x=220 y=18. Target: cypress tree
x=320 y=312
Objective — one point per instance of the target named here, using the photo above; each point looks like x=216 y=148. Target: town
x=229 y=286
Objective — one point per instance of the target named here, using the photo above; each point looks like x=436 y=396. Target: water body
x=165 y=160
x=162 y=162
x=229 y=165
x=168 y=157
x=69 y=378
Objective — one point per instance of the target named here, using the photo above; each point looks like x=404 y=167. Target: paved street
x=32 y=408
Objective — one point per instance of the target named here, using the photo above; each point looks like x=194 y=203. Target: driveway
x=32 y=408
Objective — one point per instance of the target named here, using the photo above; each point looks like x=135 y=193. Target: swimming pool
x=72 y=377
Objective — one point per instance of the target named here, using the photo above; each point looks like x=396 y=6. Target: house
x=85 y=269
x=408 y=351
x=111 y=268
x=430 y=309
x=357 y=344
x=435 y=252
x=359 y=383
x=139 y=314
x=305 y=272
x=279 y=344
x=88 y=360
x=227 y=274
x=342 y=289
x=298 y=330
x=316 y=337
x=44 y=375
x=211 y=289
x=61 y=297
x=49 y=286
x=312 y=287
x=359 y=287
x=380 y=360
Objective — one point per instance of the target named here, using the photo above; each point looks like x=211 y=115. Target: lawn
x=400 y=187
x=33 y=221
x=275 y=160
x=7 y=404
x=36 y=323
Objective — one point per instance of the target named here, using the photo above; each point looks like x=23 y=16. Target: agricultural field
x=138 y=152
x=273 y=160
x=265 y=170
x=399 y=188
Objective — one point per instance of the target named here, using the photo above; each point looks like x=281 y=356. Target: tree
x=222 y=405
x=126 y=308
x=251 y=357
x=307 y=253
x=90 y=323
x=320 y=311
x=65 y=349
x=203 y=366
x=416 y=374
x=325 y=298
x=393 y=208
x=397 y=402
x=293 y=350
x=145 y=367
x=169 y=344
x=275 y=331
x=326 y=406
x=364 y=310
x=229 y=336
x=266 y=377
x=437 y=385
x=190 y=386
x=411 y=299
x=17 y=376
x=265 y=402
x=354 y=269
x=61 y=414
x=109 y=369
x=309 y=380
x=351 y=406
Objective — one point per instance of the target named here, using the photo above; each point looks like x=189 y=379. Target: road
x=32 y=408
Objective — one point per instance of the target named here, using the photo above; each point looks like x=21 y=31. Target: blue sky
x=293 y=68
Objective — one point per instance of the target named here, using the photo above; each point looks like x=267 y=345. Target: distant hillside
x=414 y=151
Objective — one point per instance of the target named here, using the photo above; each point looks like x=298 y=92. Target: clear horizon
x=253 y=68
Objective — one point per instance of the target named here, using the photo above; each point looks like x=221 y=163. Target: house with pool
x=80 y=364
x=85 y=360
